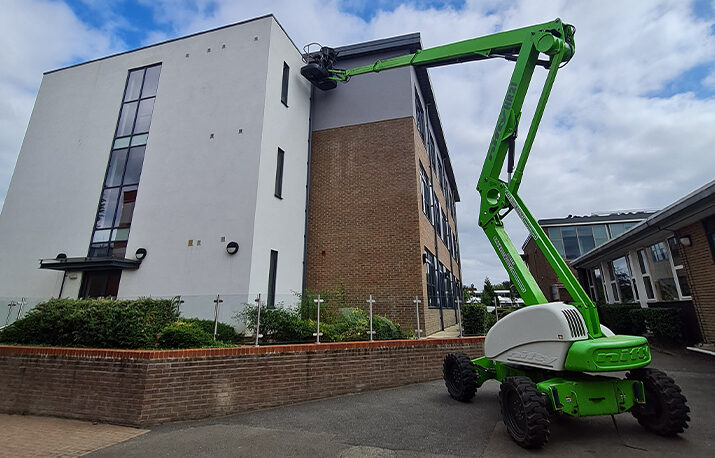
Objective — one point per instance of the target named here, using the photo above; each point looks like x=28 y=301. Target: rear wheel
x=524 y=411
x=665 y=411
x=459 y=376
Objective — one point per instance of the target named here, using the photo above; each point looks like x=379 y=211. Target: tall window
x=272 y=269
x=119 y=193
x=661 y=272
x=678 y=269
x=622 y=277
x=431 y=275
x=284 y=85
x=426 y=194
x=279 y=174
x=437 y=215
x=419 y=116
x=431 y=151
x=645 y=274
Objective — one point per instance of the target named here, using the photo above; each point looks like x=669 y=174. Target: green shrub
x=665 y=324
x=386 y=329
x=474 y=319
x=349 y=324
x=224 y=332
x=100 y=323
x=490 y=321
x=618 y=318
x=184 y=334
x=277 y=324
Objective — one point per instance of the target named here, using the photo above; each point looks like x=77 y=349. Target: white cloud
x=36 y=36
x=607 y=140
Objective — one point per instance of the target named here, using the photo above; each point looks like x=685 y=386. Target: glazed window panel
x=151 y=81
x=126 y=119
x=134 y=85
x=107 y=207
x=115 y=171
x=134 y=165
x=146 y=107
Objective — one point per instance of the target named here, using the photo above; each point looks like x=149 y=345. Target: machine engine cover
x=537 y=336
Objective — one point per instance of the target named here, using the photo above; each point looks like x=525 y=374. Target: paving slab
x=31 y=436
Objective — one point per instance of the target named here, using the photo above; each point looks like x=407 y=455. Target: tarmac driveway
x=422 y=420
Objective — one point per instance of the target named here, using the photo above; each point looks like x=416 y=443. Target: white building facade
x=168 y=153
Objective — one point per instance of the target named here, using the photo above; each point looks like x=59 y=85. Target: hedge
x=618 y=318
x=99 y=323
x=285 y=325
x=665 y=324
x=474 y=318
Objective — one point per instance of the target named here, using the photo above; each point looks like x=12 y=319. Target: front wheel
x=459 y=376
x=665 y=411
x=524 y=411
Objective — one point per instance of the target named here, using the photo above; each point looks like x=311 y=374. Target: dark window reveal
x=271 y=302
x=284 y=86
x=279 y=174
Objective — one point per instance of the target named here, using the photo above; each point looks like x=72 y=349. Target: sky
x=630 y=123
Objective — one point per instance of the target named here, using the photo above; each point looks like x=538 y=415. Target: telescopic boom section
x=555 y=42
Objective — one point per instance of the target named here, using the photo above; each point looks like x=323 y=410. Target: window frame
x=284 y=84
x=272 y=276
x=280 y=164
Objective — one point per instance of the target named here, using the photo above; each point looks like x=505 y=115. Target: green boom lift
x=554 y=358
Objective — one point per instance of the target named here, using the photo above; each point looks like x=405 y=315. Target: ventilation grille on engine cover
x=576 y=324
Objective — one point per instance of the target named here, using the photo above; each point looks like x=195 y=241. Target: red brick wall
x=366 y=228
x=543 y=273
x=698 y=262
x=145 y=388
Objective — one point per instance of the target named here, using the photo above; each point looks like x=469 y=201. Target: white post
x=459 y=314
x=317 y=333
x=218 y=301
x=496 y=307
x=417 y=306
x=371 y=332
x=258 y=318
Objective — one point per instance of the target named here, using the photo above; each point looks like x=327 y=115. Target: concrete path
x=422 y=420
x=29 y=436
x=452 y=331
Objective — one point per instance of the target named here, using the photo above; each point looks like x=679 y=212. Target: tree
x=488 y=293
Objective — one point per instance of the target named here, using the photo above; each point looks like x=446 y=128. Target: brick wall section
x=544 y=274
x=365 y=223
x=698 y=262
x=141 y=388
x=363 y=220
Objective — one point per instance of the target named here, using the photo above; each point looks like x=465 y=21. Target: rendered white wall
x=280 y=223
x=192 y=186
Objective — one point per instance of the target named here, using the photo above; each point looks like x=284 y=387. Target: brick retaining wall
x=139 y=387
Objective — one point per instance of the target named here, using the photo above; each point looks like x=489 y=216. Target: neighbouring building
x=573 y=236
x=207 y=167
x=668 y=259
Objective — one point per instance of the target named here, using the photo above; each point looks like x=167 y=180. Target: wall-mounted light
x=686 y=240
x=232 y=248
x=140 y=253
x=61 y=257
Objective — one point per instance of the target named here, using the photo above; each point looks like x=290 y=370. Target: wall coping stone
x=6 y=350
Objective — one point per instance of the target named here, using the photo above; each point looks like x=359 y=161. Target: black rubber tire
x=460 y=376
x=524 y=412
x=665 y=411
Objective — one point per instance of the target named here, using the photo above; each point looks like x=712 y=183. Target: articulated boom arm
x=525 y=46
